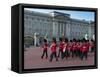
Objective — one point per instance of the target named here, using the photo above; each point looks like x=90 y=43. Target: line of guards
x=73 y=48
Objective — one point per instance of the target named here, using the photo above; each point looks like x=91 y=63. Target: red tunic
x=68 y=47
x=78 y=46
x=61 y=46
x=53 y=47
x=88 y=45
x=92 y=45
x=71 y=47
x=74 y=47
x=84 y=48
x=45 y=47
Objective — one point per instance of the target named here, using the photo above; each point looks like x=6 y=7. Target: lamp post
x=35 y=39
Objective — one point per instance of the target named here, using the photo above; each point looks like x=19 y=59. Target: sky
x=82 y=15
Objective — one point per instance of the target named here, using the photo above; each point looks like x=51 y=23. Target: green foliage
x=28 y=40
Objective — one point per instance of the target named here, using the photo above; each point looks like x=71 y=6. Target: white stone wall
x=56 y=27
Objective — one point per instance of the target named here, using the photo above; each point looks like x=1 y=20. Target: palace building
x=56 y=24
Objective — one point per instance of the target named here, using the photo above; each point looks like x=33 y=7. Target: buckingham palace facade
x=56 y=24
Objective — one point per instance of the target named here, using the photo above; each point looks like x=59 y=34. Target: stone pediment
x=60 y=15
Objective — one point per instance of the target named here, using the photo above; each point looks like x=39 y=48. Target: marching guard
x=60 y=52
x=53 y=50
x=45 y=49
x=84 y=51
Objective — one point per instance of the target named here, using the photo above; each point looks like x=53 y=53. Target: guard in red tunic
x=74 y=49
x=69 y=48
x=84 y=50
x=65 y=48
x=45 y=49
x=78 y=48
x=60 y=48
x=53 y=50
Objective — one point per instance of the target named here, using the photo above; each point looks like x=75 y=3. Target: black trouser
x=62 y=55
x=92 y=49
x=73 y=53
x=53 y=54
x=84 y=54
x=59 y=53
x=66 y=54
x=44 y=52
x=78 y=53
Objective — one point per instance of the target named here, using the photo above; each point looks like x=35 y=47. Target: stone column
x=53 y=27
x=89 y=31
x=60 y=29
x=63 y=29
x=68 y=30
